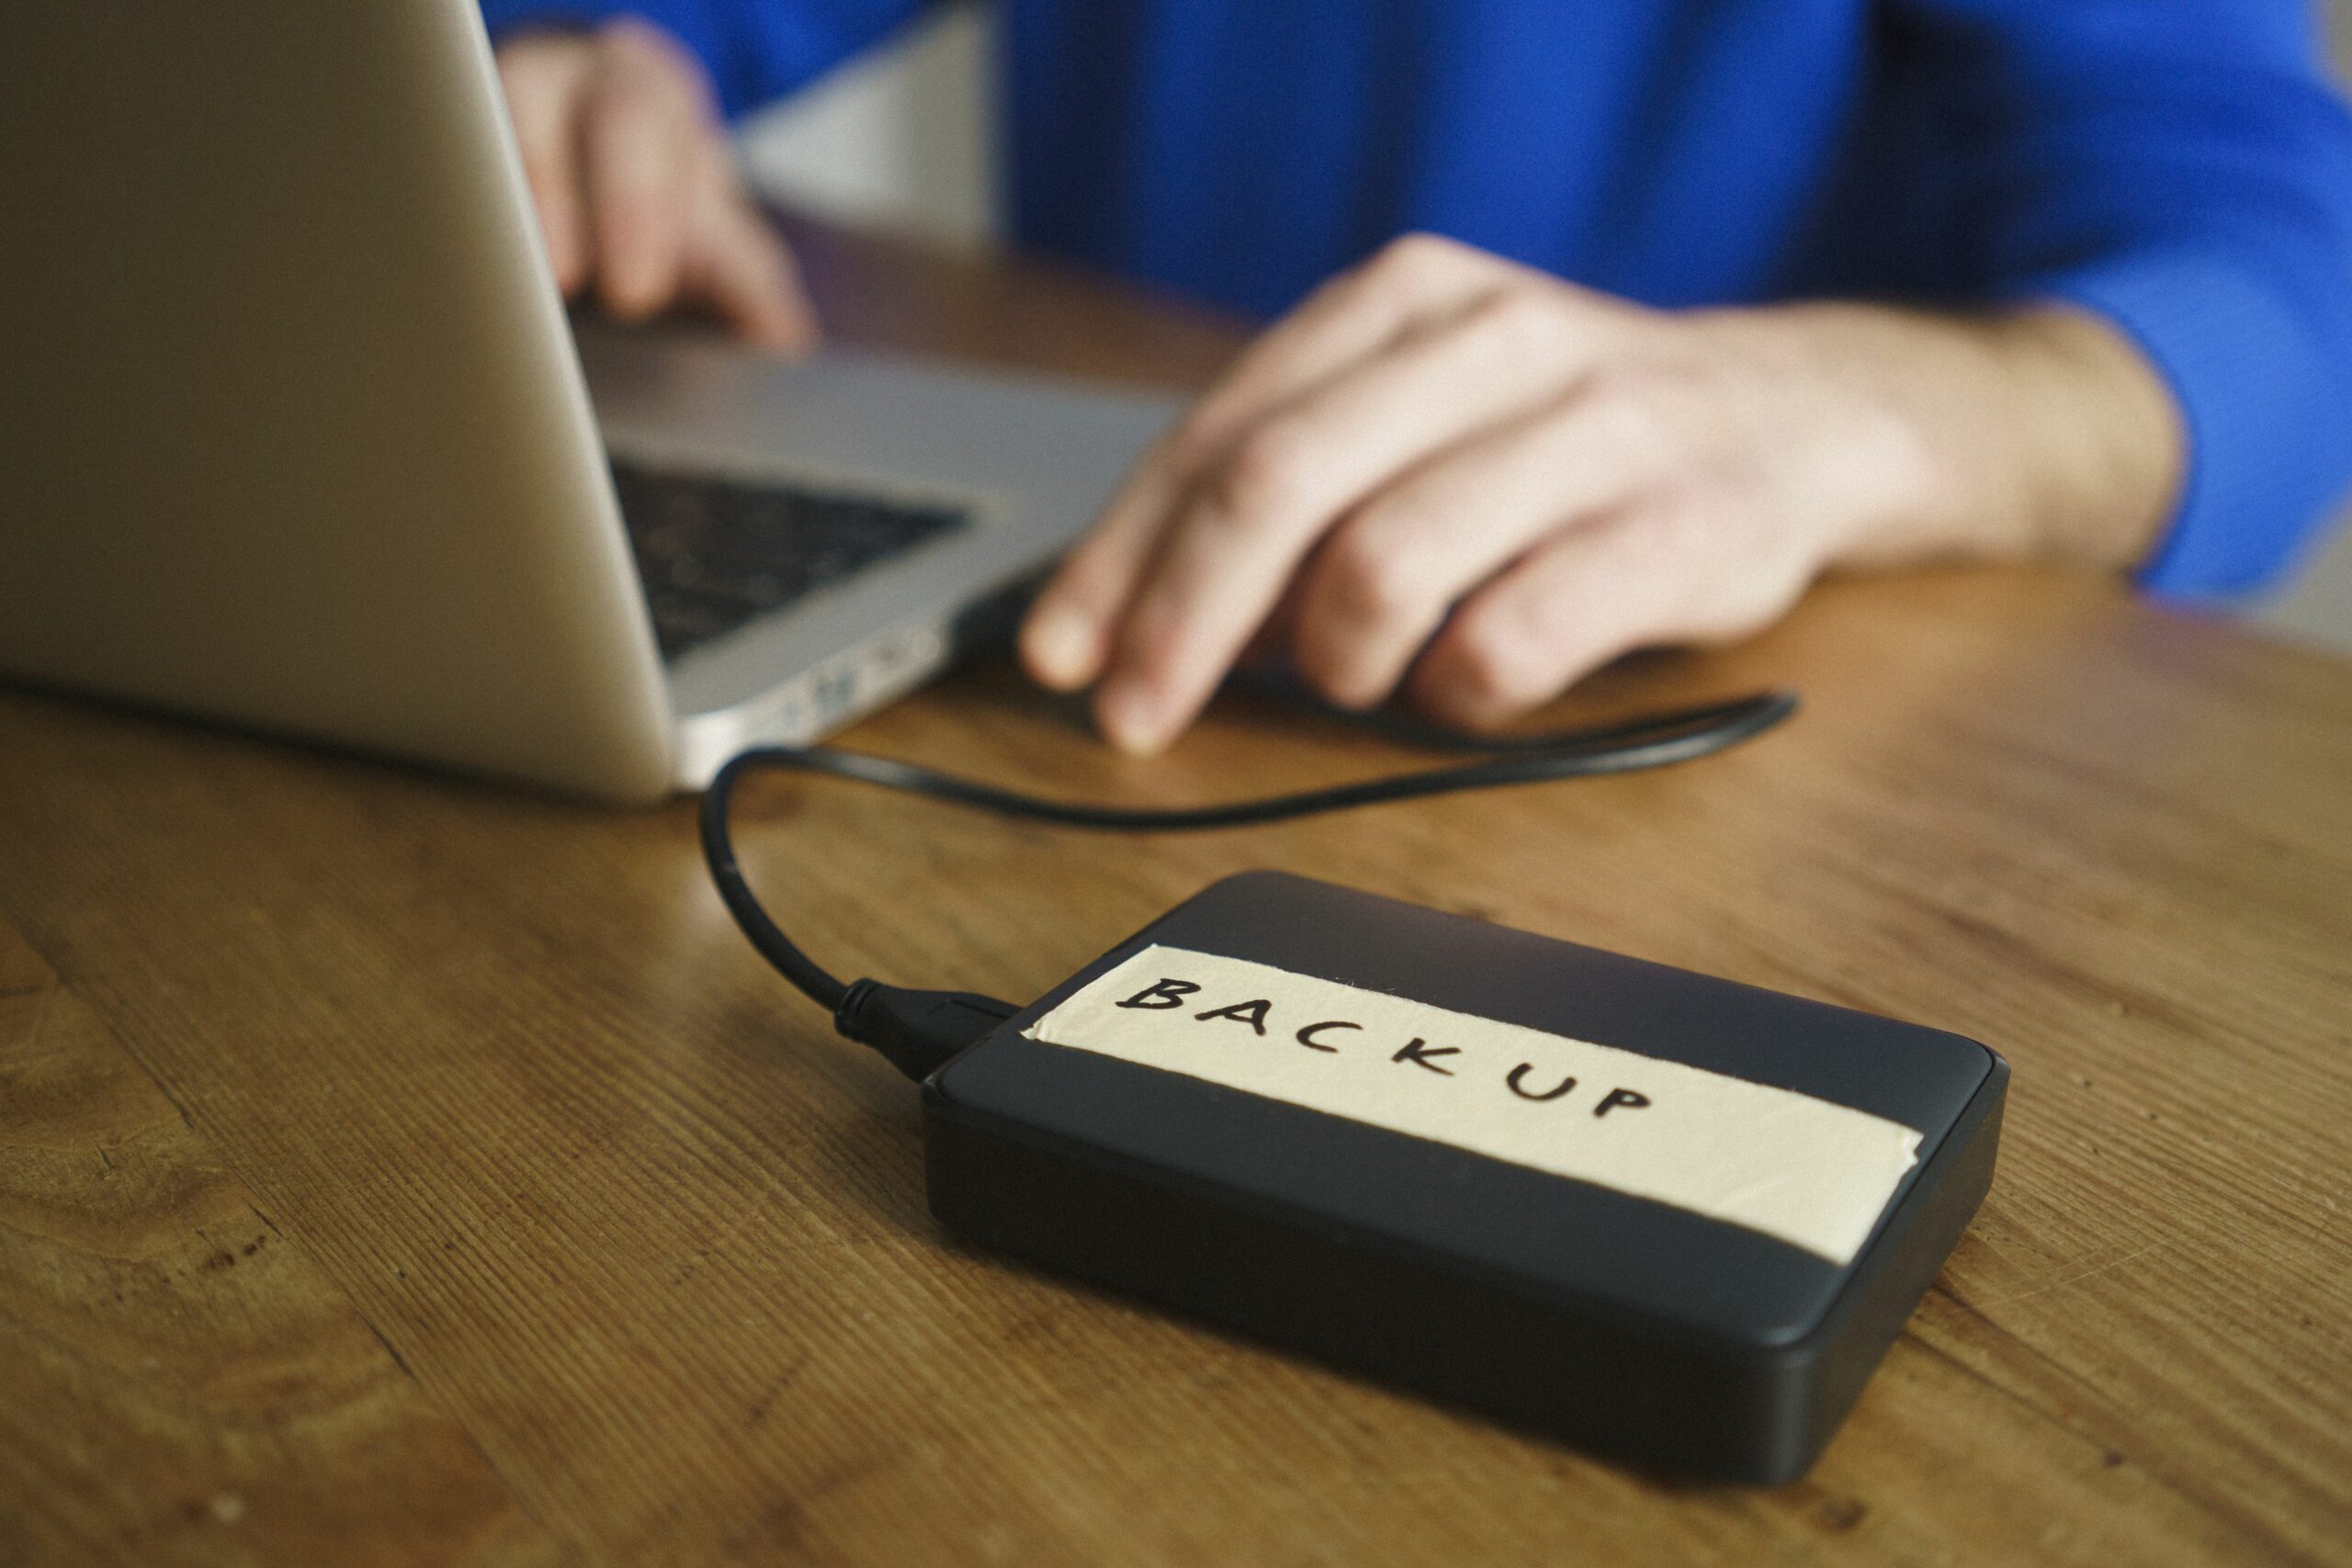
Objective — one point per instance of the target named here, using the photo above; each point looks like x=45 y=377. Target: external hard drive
x=1672 y=1220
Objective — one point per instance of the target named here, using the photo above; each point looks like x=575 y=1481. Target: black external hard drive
x=1672 y=1220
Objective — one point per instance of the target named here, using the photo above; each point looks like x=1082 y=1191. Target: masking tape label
x=1812 y=1173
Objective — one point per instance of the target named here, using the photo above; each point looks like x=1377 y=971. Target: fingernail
x=1060 y=650
x=1130 y=721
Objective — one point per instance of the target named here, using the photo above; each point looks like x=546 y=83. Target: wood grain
x=183 y=1385
x=587 y=1240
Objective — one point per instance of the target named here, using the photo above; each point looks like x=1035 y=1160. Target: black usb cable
x=920 y=1030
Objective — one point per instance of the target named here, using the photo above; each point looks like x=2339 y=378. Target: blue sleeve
x=756 y=49
x=2180 y=168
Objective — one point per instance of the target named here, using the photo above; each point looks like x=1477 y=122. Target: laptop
x=294 y=432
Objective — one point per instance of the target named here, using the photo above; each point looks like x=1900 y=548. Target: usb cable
x=918 y=1031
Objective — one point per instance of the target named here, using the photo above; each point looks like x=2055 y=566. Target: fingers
x=741 y=272
x=1066 y=638
x=546 y=78
x=1652 y=573
x=1410 y=283
x=1487 y=485
x=635 y=182
x=1233 y=544
x=643 y=137
x=1384 y=581
x=1067 y=641
x=1577 y=602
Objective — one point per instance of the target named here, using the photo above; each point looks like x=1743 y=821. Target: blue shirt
x=2180 y=167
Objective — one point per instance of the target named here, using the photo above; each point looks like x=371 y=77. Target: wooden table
x=400 y=1168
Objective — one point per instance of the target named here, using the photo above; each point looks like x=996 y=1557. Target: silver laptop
x=295 y=433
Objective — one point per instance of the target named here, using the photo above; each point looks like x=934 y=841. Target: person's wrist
x=2099 y=430
x=2035 y=434
x=1871 y=416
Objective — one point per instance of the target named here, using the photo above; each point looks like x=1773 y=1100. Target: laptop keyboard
x=716 y=553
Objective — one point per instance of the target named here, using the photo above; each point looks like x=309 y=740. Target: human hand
x=1454 y=474
x=636 y=184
